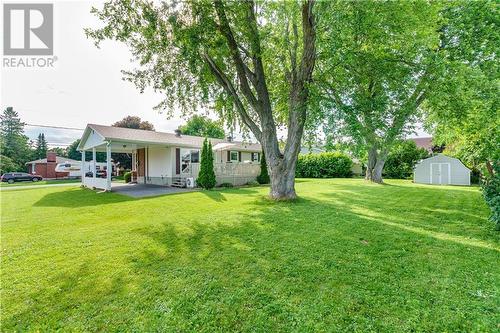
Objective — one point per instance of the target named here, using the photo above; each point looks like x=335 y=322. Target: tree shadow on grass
x=75 y=198
x=285 y=253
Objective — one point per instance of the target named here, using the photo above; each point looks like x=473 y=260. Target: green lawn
x=42 y=182
x=347 y=256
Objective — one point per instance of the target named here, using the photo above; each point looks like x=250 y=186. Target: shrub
x=253 y=183
x=491 y=193
x=402 y=158
x=206 y=177
x=324 y=165
x=127 y=176
x=263 y=178
x=226 y=185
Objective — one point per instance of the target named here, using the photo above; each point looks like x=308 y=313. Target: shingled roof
x=59 y=159
x=112 y=133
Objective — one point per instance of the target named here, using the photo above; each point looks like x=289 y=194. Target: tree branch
x=227 y=85
x=235 y=54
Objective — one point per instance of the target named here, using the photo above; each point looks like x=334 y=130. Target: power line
x=58 y=127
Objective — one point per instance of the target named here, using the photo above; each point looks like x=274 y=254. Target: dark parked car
x=12 y=177
x=98 y=174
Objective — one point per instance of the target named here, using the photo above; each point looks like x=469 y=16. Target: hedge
x=324 y=165
x=491 y=193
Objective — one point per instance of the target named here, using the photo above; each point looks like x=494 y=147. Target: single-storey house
x=170 y=159
x=441 y=170
x=46 y=167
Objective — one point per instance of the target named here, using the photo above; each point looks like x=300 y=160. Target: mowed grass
x=42 y=182
x=347 y=256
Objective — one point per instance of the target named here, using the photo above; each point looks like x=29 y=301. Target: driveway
x=143 y=190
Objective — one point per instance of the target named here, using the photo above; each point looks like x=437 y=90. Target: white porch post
x=93 y=165
x=109 y=168
x=83 y=166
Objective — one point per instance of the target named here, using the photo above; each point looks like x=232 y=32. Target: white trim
x=109 y=167
x=231 y=157
x=440 y=173
x=94 y=169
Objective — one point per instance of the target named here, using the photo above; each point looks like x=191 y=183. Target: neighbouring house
x=441 y=170
x=45 y=167
x=169 y=159
x=425 y=143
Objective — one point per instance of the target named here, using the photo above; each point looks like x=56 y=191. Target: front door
x=141 y=162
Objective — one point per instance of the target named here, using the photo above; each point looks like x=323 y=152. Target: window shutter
x=177 y=161
x=239 y=156
x=228 y=156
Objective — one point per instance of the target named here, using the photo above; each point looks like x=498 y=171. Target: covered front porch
x=95 y=177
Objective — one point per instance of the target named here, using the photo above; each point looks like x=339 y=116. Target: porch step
x=178 y=182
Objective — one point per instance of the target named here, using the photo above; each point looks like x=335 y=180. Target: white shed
x=441 y=170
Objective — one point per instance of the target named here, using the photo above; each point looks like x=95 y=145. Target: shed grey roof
x=112 y=133
x=59 y=159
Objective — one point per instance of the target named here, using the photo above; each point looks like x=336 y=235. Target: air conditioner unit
x=190 y=182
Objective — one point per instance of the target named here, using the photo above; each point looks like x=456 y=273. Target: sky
x=85 y=86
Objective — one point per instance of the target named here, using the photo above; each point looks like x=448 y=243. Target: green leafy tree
x=124 y=159
x=464 y=114
x=203 y=126
x=59 y=151
x=402 y=158
x=41 y=147
x=491 y=193
x=378 y=61
x=7 y=165
x=134 y=122
x=250 y=62
x=13 y=143
x=263 y=177
x=206 y=177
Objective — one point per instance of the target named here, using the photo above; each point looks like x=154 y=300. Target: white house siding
x=159 y=166
x=93 y=140
x=441 y=170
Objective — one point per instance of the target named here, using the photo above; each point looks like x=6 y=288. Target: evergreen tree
x=206 y=177
x=41 y=147
x=13 y=143
x=263 y=178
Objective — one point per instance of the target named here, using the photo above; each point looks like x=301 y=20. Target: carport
x=93 y=141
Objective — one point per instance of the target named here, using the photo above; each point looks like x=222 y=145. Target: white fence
x=234 y=173
x=91 y=182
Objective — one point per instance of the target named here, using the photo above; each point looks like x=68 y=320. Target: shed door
x=440 y=173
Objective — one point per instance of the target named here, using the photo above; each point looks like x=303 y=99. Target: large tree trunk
x=282 y=182
x=376 y=161
x=253 y=87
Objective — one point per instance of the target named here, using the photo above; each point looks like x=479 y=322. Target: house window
x=188 y=156
x=195 y=156
x=255 y=157
x=233 y=156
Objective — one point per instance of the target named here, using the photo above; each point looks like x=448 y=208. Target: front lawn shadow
x=79 y=198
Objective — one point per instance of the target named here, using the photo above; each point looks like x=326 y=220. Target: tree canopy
x=41 y=147
x=377 y=63
x=250 y=62
x=464 y=113
x=203 y=126
x=134 y=122
x=13 y=143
